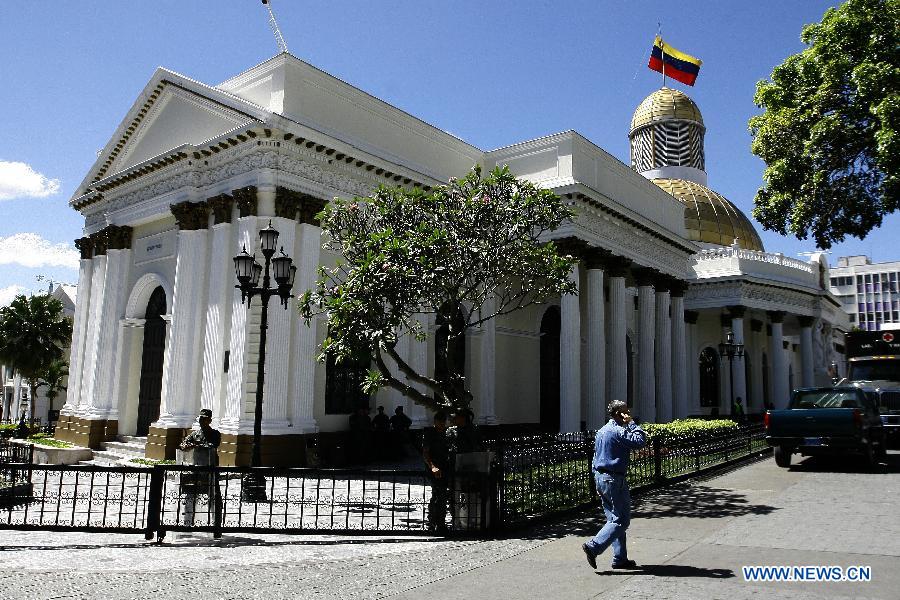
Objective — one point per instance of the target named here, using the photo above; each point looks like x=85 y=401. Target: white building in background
x=869 y=292
x=16 y=394
x=666 y=268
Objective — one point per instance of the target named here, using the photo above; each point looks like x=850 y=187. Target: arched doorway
x=709 y=378
x=154 y=347
x=550 y=328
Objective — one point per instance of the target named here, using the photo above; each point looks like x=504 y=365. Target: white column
x=217 y=317
x=618 y=359
x=646 y=388
x=596 y=349
x=679 y=355
x=570 y=359
x=418 y=361
x=278 y=343
x=663 y=357
x=182 y=361
x=806 y=351
x=79 y=330
x=488 y=376
x=739 y=370
x=307 y=248
x=237 y=403
x=103 y=402
x=89 y=384
x=780 y=391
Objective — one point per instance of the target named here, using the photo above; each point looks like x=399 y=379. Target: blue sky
x=492 y=73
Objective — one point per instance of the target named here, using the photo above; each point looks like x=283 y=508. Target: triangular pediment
x=171 y=111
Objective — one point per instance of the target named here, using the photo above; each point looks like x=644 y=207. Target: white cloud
x=8 y=293
x=18 y=180
x=31 y=250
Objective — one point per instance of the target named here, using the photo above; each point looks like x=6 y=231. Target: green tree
x=53 y=378
x=474 y=243
x=33 y=333
x=830 y=133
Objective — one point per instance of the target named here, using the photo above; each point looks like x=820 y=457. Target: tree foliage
x=465 y=252
x=830 y=133
x=33 y=333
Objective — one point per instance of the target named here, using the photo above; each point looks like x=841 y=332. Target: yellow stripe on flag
x=674 y=53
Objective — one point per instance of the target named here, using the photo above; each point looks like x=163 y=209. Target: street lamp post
x=248 y=272
x=731 y=350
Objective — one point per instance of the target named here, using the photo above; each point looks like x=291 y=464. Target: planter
x=47 y=455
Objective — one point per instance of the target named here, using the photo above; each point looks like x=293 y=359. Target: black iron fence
x=530 y=477
x=544 y=475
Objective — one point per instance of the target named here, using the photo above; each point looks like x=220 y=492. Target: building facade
x=666 y=268
x=869 y=292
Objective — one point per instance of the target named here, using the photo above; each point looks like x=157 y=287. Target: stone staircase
x=125 y=447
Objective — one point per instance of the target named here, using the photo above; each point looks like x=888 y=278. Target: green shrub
x=42 y=439
x=151 y=462
x=689 y=428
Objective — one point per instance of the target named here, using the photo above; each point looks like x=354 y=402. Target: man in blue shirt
x=612 y=448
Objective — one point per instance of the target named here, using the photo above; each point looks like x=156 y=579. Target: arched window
x=748 y=382
x=709 y=378
x=629 y=370
x=550 y=328
x=452 y=357
x=343 y=384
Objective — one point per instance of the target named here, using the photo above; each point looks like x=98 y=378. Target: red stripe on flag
x=676 y=74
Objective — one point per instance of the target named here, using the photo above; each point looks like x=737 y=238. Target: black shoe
x=625 y=564
x=591 y=557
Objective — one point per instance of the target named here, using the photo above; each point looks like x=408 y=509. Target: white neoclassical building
x=193 y=171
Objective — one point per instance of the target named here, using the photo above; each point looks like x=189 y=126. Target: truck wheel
x=783 y=456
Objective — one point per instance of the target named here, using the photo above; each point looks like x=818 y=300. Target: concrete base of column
x=236 y=450
x=162 y=443
x=88 y=433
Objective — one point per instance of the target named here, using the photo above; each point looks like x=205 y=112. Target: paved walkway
x=692 y=541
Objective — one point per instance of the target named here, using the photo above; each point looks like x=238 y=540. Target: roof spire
x=276 y=31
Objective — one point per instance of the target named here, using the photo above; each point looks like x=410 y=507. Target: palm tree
x=53 y=379
x=33 y=333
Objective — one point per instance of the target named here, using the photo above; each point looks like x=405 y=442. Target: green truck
x=828 y=420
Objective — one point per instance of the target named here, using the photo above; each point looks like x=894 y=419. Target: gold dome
x=665 y=104
x=710 y=217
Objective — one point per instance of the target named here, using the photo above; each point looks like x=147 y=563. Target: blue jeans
x=616 y=500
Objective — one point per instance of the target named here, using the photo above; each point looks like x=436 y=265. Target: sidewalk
x=691 y=539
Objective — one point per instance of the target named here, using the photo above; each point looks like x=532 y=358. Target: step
x=125 y=449
x=132 y=439
x=104 y=458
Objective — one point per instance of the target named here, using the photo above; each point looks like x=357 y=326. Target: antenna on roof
x=279 y=39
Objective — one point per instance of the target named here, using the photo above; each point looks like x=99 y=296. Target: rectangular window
x=868 y=277
x=859 y=279
x=895 y=316
x=834 y=281
x=852 y=318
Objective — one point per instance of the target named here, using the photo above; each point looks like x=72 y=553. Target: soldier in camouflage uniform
x=205 y=437
x=436 y=453
x=202 y=483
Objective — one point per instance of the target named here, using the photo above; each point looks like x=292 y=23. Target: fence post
x=657 y=459
x=496 y=488
x=154 y=504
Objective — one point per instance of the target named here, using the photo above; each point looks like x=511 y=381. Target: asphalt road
x=691 y=541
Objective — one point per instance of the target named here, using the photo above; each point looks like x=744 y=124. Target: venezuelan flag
x=678 y=65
